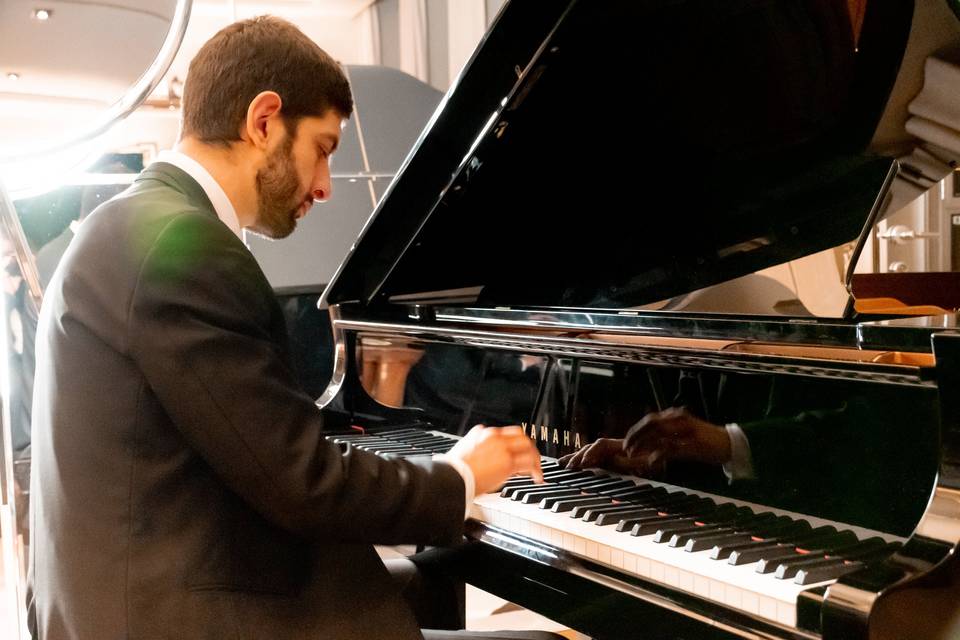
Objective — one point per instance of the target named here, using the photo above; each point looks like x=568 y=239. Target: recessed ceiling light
x=13 y=76
x=43 y=14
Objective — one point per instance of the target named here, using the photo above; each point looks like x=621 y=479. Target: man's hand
x=677 y=434
x=496 y=453
x=605 y=453
x=672 y=434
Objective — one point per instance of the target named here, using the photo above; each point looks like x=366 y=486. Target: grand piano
x=589 y=230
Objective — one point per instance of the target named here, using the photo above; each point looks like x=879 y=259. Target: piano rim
x=899 y=374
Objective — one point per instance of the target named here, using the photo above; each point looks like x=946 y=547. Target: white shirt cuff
x=469 y=483
x=740 y=466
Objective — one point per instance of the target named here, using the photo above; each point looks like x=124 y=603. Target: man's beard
x=278 y=194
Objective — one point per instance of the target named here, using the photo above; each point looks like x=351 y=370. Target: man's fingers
x=519 y=443
x=512 y=430
x=576 y=460
x=643 y=438
x=601 y=452
x=529 y=464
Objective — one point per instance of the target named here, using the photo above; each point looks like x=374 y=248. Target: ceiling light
x=43 y=14
x=13 y=76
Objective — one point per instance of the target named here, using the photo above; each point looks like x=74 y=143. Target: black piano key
x=673 y=500
x=404 y=454
x=714 y=540
x=637 y=489
x=635 y=495
x=769 y=562
x=612 y=485
x=508 y=490
x=710 y=517
x=398 y=431
x=605 y=519
x=682 y=538
x=829 y=570
x=767 y=528
x=539 y=492
x=788 y=569
x=617 y=488
x=518 y=481
x=547 y=501
x=590 y=514
x=596 y=478
x=567 y=476
x=699 y=523
x=691 y=506
x=748 y=552
x=580 y=510
x=563 y=505
x=773 y=558
x=660 y=524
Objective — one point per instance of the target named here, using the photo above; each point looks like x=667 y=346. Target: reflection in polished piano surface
x=533 y=264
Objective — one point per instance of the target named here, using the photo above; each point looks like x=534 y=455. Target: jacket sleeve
x=207 y=334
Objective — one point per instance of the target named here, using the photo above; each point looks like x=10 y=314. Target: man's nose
x=322 y=185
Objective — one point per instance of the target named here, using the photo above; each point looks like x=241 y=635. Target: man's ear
x=262 y=109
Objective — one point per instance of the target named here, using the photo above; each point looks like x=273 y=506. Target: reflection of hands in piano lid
x=657 y=439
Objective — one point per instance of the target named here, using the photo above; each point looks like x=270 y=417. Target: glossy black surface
x=857 y=452
x=572 y=174
x=596 y=156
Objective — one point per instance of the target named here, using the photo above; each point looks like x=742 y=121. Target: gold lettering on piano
x=533 y=433
x=543 y=433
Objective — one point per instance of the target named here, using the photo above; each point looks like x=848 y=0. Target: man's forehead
x=328 y=126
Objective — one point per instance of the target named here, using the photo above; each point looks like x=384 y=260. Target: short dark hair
x=251 y=56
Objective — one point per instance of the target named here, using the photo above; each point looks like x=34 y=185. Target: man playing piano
x=182 y=484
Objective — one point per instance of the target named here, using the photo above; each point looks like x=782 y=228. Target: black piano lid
x=617 y=153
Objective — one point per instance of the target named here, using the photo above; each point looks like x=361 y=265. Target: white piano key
x=691 y=572
x=616 y=557
x=593 y=551
x=733 y=597
x=643 y=566
x=580 y=546
x=717 y=590
x=657 y=571
x=701 y=586
x=768 y=608
x=557 y=536
x=786 y=614
x=671 y=576
x=604 y=555
x=750 y=602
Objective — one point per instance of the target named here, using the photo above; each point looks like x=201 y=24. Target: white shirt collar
x=218 y=197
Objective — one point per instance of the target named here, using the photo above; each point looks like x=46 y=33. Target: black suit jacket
x=182 y=486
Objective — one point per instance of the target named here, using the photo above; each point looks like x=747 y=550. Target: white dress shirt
x=218 y=197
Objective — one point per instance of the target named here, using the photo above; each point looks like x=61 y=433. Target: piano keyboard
x=741 y=555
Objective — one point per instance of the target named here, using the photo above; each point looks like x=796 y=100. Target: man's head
x=267 y=94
